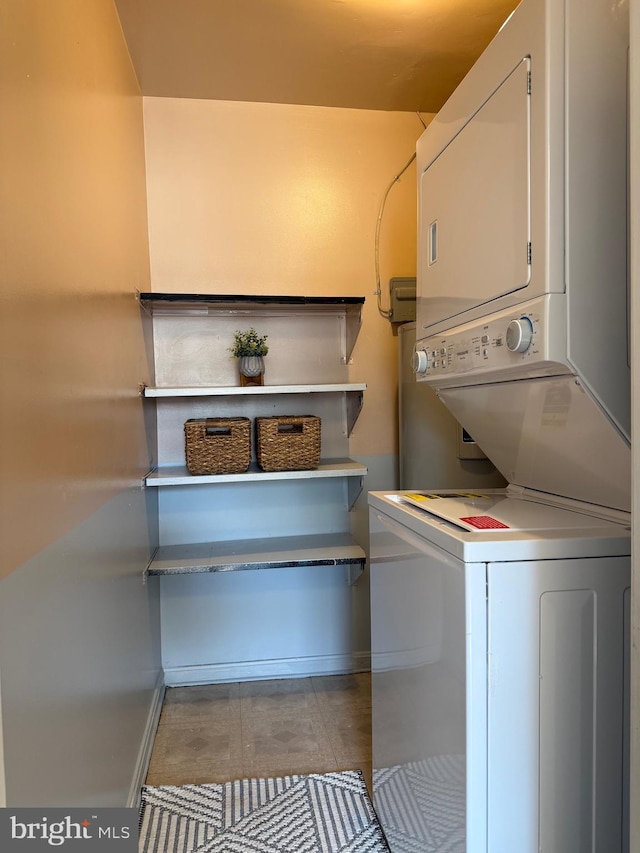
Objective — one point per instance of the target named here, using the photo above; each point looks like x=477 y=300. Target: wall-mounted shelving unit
x=311 y=340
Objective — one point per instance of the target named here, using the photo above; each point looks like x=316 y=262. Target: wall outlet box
x=402 y=299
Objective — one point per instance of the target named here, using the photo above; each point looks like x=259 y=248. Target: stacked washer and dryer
x=500 y=617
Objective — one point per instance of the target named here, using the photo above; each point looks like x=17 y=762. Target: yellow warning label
x=420 y=496
x=416 y=497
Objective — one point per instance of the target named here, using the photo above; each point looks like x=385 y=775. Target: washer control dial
x=420 y=361
x=519 y=334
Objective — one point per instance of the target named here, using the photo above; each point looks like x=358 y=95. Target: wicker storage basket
x=288 y=442
x=217 y=445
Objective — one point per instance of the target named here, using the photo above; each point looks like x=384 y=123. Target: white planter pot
x=251 y=365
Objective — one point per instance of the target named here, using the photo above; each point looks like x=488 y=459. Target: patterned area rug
x=318 y=813
x=421 y=805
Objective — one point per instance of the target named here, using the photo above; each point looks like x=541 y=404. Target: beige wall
x=73 y=249
x=277 y=199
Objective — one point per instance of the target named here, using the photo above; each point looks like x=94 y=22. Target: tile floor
x=220 y=732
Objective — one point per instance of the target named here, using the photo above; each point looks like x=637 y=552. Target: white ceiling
x=366 y=54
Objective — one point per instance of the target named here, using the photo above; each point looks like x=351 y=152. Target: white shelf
x=178 y=475
x=253 y=390
x=353 y=393
x=329 y=549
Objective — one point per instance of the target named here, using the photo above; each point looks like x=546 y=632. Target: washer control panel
x=514 y=341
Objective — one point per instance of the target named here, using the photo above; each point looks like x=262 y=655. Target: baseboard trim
x=146 y=746
x=258 y=670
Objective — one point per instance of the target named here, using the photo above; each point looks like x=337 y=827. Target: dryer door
x=475 y=209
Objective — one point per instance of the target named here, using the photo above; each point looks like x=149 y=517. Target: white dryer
x=522 y=260
x=522 y=188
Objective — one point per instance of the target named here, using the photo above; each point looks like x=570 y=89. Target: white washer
x=498 y=667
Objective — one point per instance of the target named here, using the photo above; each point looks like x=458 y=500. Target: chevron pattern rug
x=318 y=813
x=421 y=804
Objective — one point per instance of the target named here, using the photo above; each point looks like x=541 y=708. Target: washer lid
x=500 y=525
x=483 y=511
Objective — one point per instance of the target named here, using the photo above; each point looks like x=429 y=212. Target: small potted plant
x=250 y=348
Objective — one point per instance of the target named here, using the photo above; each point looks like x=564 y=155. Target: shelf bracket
x=354 y=407
x=143 y=305
x=352 y=320
x=145 y=573
x=352 y=572
x=353 y=488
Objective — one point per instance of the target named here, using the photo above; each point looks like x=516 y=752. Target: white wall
x=81 y=681
x=79 y=644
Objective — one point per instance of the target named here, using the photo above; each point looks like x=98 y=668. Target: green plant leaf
x=248 y=342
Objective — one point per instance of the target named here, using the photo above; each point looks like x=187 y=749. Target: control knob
x=519 y=334
x=420 y=361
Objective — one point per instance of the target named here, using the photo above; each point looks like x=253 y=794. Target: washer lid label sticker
x=485 y=522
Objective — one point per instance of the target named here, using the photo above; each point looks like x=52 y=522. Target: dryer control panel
x=525 y=341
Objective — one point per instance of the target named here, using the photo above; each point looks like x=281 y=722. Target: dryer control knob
x=420 y=361
x=519 y=334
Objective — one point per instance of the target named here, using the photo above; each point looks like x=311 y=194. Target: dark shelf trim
x=247 y=300
x=268 y=564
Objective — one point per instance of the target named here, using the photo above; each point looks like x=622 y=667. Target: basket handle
x=290 y=427
x=217 y=430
